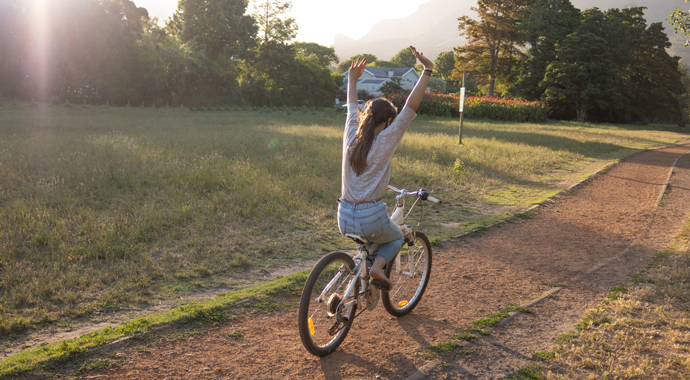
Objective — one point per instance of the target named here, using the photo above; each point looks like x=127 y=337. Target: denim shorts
x=371 y=221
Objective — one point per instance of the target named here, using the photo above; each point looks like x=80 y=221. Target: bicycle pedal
x=380 y=284
x=372 y=298
x=342 y=319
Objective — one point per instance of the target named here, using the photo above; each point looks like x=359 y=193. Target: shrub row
x=478 y=107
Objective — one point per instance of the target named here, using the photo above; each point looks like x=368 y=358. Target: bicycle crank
x=372 y=297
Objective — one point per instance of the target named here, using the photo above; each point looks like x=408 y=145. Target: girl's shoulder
x=405 y=116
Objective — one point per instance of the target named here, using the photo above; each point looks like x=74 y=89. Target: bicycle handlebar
x=419 y=193
x=433 y=200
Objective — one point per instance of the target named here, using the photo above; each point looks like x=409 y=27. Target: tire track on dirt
x=589 y=240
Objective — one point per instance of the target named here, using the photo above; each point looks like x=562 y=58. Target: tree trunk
x=582 y=113
x=492 y=84
x=492 y=75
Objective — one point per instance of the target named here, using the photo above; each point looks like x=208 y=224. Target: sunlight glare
x=318 y=20
x=40 y=47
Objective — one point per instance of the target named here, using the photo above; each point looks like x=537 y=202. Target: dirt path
x=592 y=239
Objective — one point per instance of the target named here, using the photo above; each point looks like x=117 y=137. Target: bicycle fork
x=408 y=233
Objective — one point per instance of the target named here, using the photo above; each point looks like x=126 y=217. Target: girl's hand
x=428 y=65
x=417 y=93
x=356 y=69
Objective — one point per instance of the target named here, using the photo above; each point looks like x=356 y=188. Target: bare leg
x=376 y=271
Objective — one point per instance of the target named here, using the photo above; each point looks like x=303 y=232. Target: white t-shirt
x=371 y=185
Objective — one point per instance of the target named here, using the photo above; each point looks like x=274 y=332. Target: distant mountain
x=656 y=11
x=433 y=28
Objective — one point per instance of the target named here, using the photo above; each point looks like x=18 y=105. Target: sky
x=319 y=20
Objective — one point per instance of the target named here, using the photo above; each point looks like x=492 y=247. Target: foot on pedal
x=380 y=284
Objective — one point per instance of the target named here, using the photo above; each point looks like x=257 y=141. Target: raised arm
x=418 y=91
x=356 y=70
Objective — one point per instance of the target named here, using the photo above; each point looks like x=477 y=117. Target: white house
x=373 y=77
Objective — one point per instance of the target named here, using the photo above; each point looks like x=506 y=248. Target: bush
x=478 y=107
x=363 y=94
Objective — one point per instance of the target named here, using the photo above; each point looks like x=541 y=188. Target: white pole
x=462 y=106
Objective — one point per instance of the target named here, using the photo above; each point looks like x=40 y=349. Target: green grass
x=97 y=365
x=465 y=336
x=233 y=335
x=527 y=373
x=641 y=330
x=444 y=347
x=494 y=319
x=476 y=327
x=210 y=312
x=104 y=207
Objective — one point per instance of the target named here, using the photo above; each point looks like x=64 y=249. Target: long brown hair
x=374 y=112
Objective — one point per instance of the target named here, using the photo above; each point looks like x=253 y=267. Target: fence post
x=462 y=107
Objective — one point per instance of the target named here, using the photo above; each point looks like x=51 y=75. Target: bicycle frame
x=407 y=231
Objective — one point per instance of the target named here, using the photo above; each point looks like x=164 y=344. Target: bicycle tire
x=408 y=290
x=315 y=335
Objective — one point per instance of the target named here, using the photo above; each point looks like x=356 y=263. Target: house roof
x=383 y=71
x=374 y=81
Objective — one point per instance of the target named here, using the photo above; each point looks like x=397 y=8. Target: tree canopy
x=404 y=58
x=209 y=52
x=271 y=26
x=493 y=43
x=315 y=53
x=545 y=25
x=345 y=65
x=444 y=65
x=614 y=68
x=216 y=26
x=679 y=20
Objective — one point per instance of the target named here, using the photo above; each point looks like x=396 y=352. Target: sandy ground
x=590 y=239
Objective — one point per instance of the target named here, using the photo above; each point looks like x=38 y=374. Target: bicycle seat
x=357 y=239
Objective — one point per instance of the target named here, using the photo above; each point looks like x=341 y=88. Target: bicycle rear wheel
x=323 y=320
x=409 y=273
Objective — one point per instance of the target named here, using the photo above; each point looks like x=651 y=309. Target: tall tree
x=315 y=53
x=404 y=58
x=444 y=64
x=614 y=68
x=345 y=65
x=545 y=25
x=67 y=48
x=656 y=79
x=272 y=27
x=216 y=26
x=583 y=76
x=276 y=77
x=214 y=36
x=13 y=38
x=493 y=44
x=551 y=20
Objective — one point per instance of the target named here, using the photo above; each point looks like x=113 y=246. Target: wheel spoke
x=323 y=299
x=409 y=275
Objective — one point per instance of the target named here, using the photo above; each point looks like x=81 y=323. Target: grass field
x=641 y=331
x=105 y=207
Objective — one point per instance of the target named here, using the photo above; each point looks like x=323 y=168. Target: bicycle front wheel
x=409 y=273
x=325 y=315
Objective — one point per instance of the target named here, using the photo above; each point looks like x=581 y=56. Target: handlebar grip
x=433 y=200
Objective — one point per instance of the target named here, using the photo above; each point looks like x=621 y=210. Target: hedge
x=477 y=107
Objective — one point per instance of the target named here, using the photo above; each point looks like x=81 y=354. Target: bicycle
x=332 y=292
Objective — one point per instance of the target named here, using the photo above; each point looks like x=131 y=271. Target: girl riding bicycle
x=369 y=142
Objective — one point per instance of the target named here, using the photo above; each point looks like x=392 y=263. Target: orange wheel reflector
x=402 y=303
x=311 y=327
